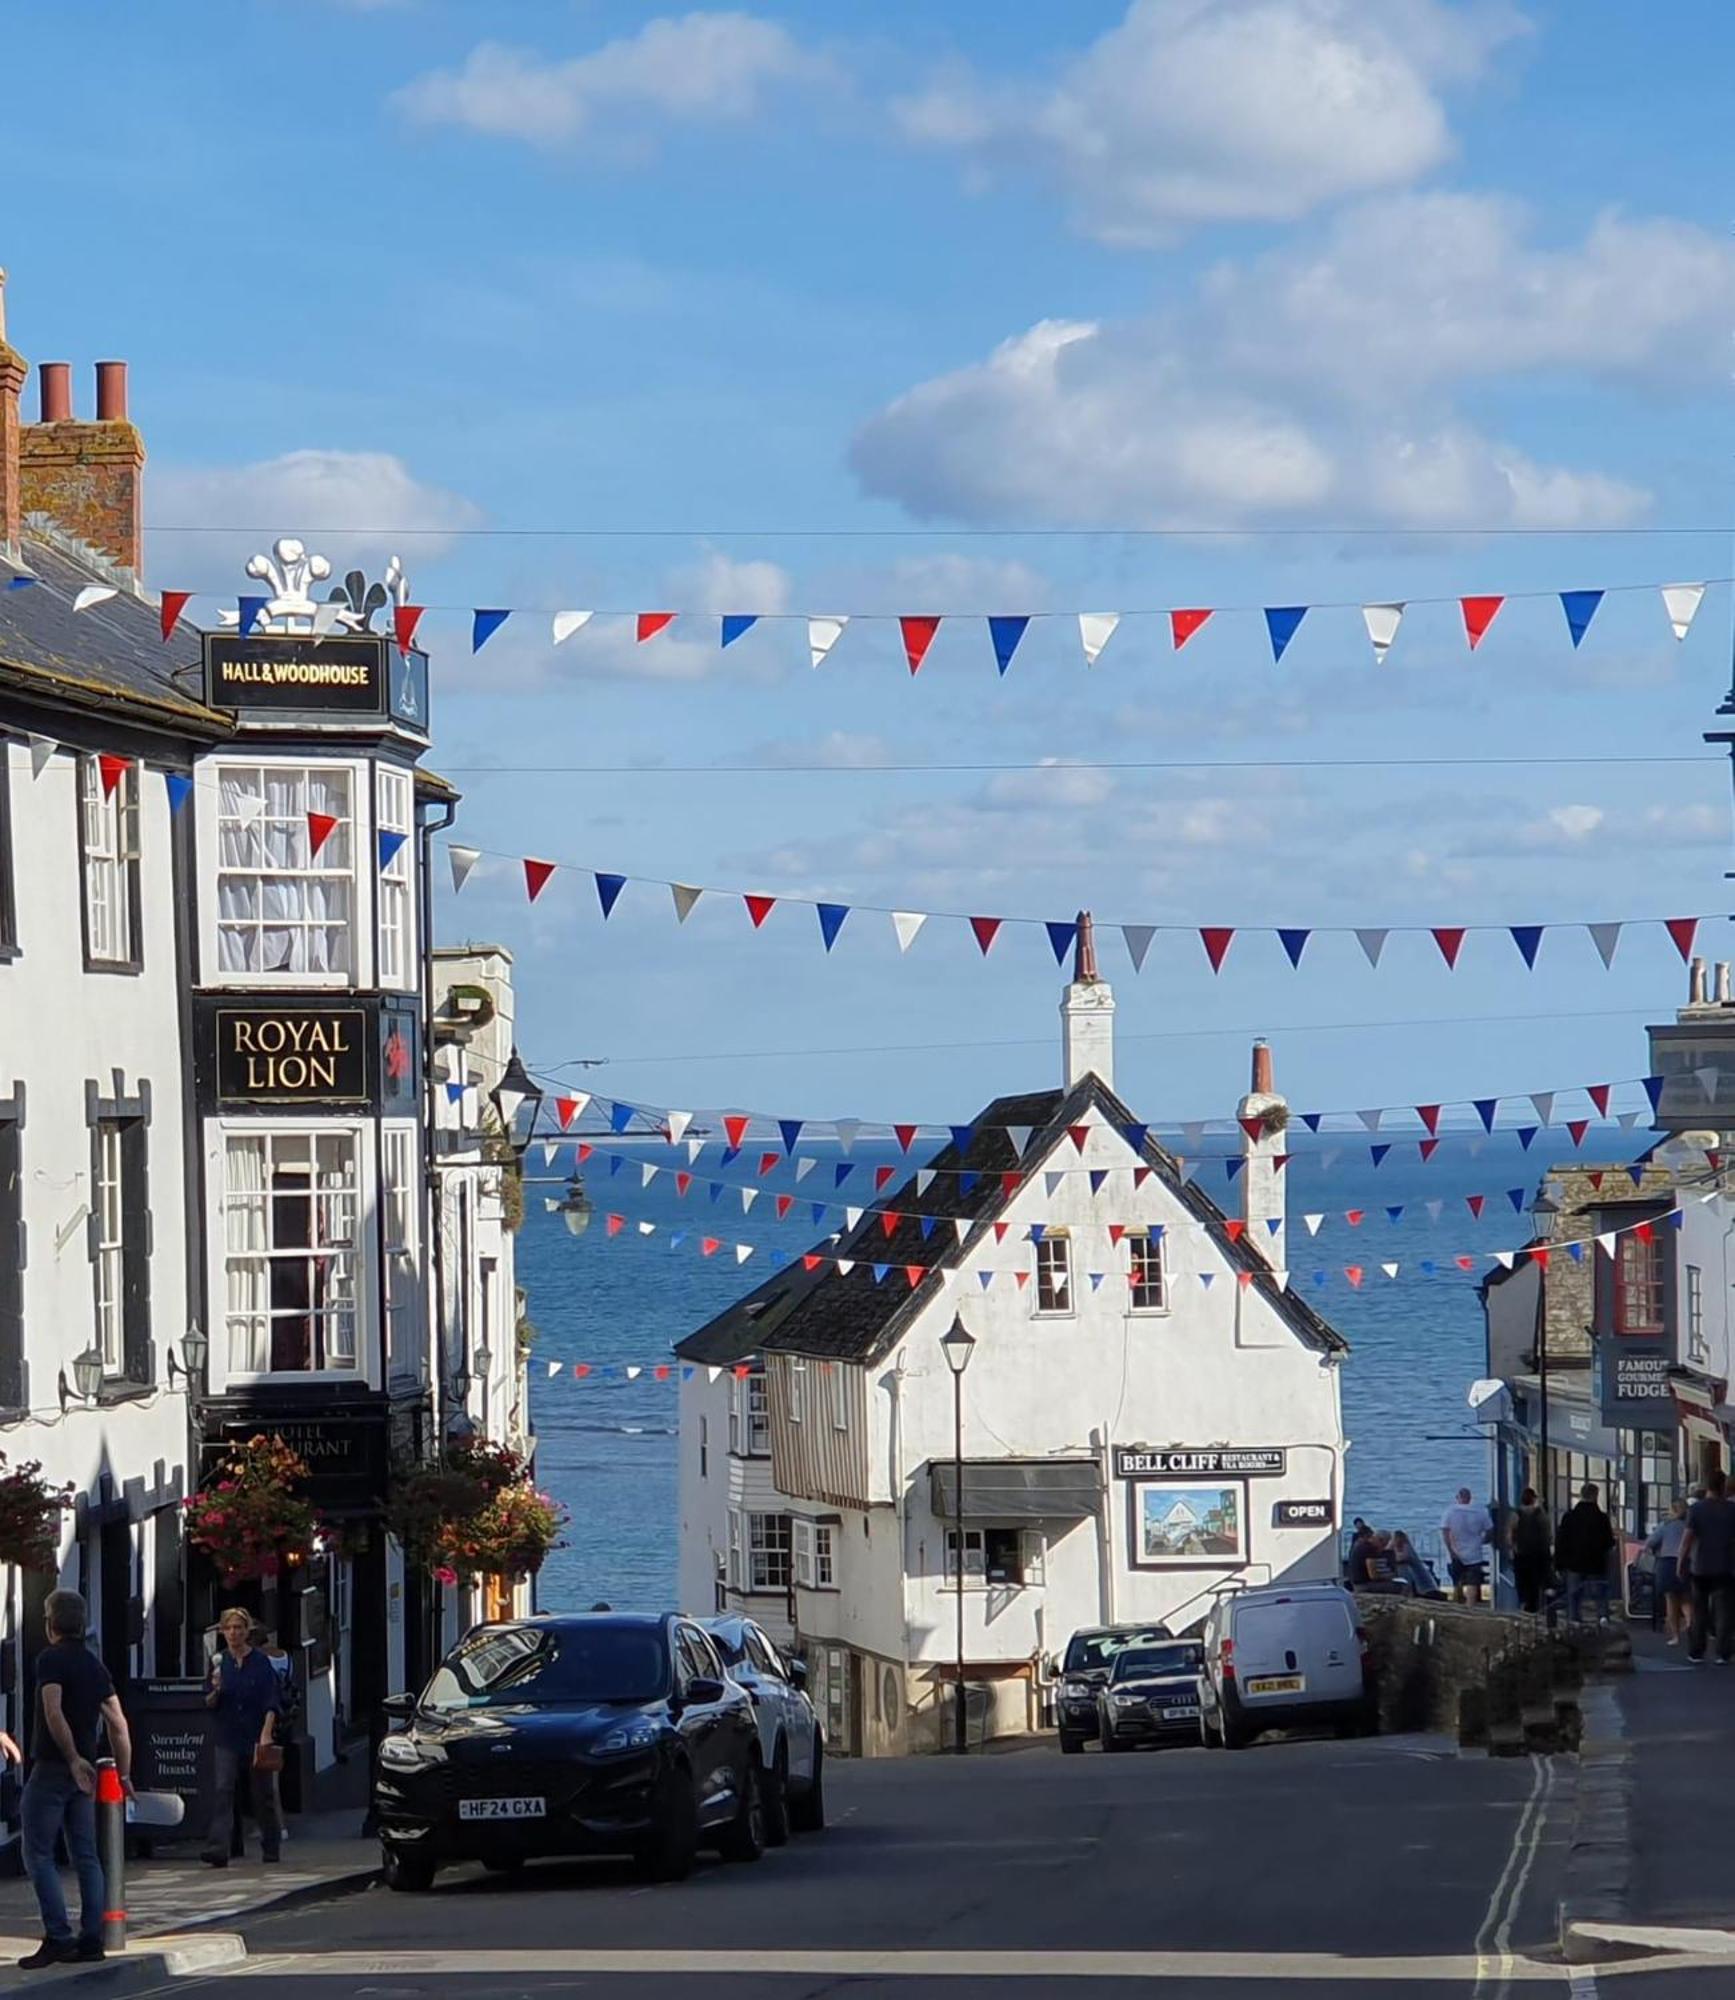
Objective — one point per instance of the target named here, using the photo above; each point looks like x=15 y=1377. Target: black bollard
x=111 y=1846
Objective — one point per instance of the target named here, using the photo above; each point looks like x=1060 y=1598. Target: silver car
x=791 y=1740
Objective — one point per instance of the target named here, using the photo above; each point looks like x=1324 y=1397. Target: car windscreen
x=1142 y=1662
x=733 y=1655
x=1089 y=1651
x=510 y=1666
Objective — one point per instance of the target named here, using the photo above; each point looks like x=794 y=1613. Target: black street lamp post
x=957 y=1344
x=1543 y=1212
x=516 y=1091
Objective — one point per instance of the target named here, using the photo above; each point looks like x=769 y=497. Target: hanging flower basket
x=475 y=1514
x=251 y=1518
x=30 y=1512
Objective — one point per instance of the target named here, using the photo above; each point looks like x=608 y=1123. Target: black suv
x=1084 y=1672
x=600 y=1734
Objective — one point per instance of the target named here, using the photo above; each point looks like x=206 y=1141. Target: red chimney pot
x=1262 y=1068
x=55 y=379
x=111 y=392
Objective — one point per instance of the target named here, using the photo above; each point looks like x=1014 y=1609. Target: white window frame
x=394 y=894
x=1054 y=1241
x=1696 y=1347
x=1032 y=1551
x=109 y=851
x=357 y=830
x=770 y=1548
x=815 y=1555
x=757 y=1404
x=1149 y=1244
x=839 y=1396
x=360 y=1133
x=400 y=1245
x=797 y=1390
x=736 y=1571
x=108 y=1266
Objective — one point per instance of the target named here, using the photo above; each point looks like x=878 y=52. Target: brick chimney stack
x=1262 y=1187
x=87 y=477
x=13 y=369
x=1087 y=1014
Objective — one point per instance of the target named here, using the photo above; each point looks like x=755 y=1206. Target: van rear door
x=1296 y=1649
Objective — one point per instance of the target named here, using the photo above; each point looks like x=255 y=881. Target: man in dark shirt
x=246 y=1695
x=74 y=1699
x=1708 y=1557
x=1583 y=1546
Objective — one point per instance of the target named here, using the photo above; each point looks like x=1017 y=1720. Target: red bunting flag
x=1116 y=1230
x=1143 y=1174
x=566 y=1110
x=320 y=826
x=683 y=1181
x=1474 y=1202
x=742 y=1370
x=914 y=1272
x=1596 y=1181
x=759 y=908
x=584 y=1152
x=710 y=1245
x=1644 y=1232
x=1253 y=1127
x=536 y=874
x=918 y=637
x=889 y=1220
x=1355 y=1217
x=581 y=1369
x=1353 y=1272
x=174 y=603
x=1280 y=1160
x=1216 y=943
x=906 y=1136
x=113 y=769
x=1426 y=1148
x=767 y=1161
x=1000 y=1228
x=1466 y=1263
x=1235 y=1225
x=785 y=1202
x=1078 y=1134
x=616 y=1223
x=1429 y=1114
x=986 y=929
x=1578 y=1127
x=1244 y=1279
x=811 y=1262
x=1479 y=614
x=883 y=1176
x=1598 y=1093
x=661 y=1371
x=1539 y=1257
x=735 y=1126
x=649 y=623
x=1022 y=1278
x=1450 y=939
x=1183 y=624
x=1683 y=930
x=405 y=619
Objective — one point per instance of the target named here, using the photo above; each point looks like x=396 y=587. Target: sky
x=962 y=310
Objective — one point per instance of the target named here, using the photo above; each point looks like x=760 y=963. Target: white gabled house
x=1150 y=1414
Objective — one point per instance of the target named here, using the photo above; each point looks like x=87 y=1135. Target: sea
x=606 y=1445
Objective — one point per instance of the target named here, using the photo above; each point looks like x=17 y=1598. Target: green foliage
x=30 y=1512
x=475 y=1513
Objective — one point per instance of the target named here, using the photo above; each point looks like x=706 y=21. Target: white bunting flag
x=553 y=1369
x=1372 y=942
x=1382 y=621
x=1051 y=1182
x=742 y=1252
x=1607 y=1241
x=1505 y=1259
x=550 y=1202
x=822 y=635
x=41 y=749
x=1020 y=1138
x=1095 y=630
x=1371 y=1119
x=568 y=622
x=550 y=1148
x=633 y=1373
x=1606 y=937
x=463 y=859
x=1626 y=1120
x=694 y=1148
x=92 y=594
x=748 y=1197
x=924 y=1180
x=1138 y=942
x=962 y=1224
x=1544 y=1102
x=1708 y=1080
x=907 y=923
x=678 y=1121
x=329 y=619
x=1391 y=1270
x=1313 y=1222
x=803 y=1167
x=1193 y=1133
x=1435 y=1209
x=685 y=898
x=647 y=1228
x=647 y=1174
x=1681 y=602
x=846 y=1130
x=851 y=1216
x=712 y=1372
x=844 y=1266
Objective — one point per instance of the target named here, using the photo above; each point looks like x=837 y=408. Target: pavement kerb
x=1598 y=1894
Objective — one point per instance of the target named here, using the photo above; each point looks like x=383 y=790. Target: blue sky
x=922 y=274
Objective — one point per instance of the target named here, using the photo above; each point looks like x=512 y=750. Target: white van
x=1291 y=1656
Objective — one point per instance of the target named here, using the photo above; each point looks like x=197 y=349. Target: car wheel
x=408 y=1874
x=743 y=1839
x=807 y=1809
x=667 y=1853
x=1208 y=1733
x=1235 y=1736
x=1111 y=1743
x=777 y=1799
x=1071 y=1745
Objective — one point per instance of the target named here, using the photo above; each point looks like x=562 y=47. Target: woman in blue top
x=245 y=1696
x=1664 y=1542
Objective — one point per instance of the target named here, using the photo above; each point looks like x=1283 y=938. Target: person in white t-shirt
x=1468 y=1528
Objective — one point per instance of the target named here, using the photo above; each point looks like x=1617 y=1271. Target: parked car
x=1083 y=1672
x=791 y=1741
x=595 y=1734
x=1152 y=1695
x=1285 y=1657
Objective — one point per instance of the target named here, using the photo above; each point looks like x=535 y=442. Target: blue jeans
x=53 y=1804
x=1579 y=1587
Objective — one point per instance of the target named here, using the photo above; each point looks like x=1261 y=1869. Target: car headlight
x=638 y=1734
x=404 y=1753
x=1128 y=1700
x=1078 y=1691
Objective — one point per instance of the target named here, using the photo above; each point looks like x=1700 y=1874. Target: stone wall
x=1496 y=1680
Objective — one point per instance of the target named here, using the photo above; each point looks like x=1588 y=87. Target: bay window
x=393 y=810
x=285 y=896
x=292 y=1251
x=398 y=1189
x=814 y=1565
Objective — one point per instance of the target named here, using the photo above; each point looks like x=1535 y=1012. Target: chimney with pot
x=86 y=477
x=1696 y=991
x=1086 y=1014
x=1264 y=1117
x=1724 y=997
x=13 y=369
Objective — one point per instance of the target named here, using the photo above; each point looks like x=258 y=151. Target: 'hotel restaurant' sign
x=1215 y=1462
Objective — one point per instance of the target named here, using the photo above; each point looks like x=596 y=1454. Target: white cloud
x=1197 y=111
x=350 y=506
x=693 y=68
x=836 y=750
x=1053 y=787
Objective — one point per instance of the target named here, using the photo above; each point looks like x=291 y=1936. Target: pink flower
x=446 y=1575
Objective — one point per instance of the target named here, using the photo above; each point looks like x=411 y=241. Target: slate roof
x=111 y=656
x=847 y=1316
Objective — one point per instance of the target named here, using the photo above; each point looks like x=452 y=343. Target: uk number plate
x=502 y=1808
x=1174 y=1711
x=1277 y=1684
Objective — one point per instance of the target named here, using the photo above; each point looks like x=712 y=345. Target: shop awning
x=1017 y=1489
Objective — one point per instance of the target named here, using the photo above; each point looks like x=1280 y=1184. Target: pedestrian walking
x=75 y=1699
x=1708 y=1556
x=1468 y=1527
x=1671 y=1585
x=1583 y=1547
x=1529 y=1541
x=245 y=1694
